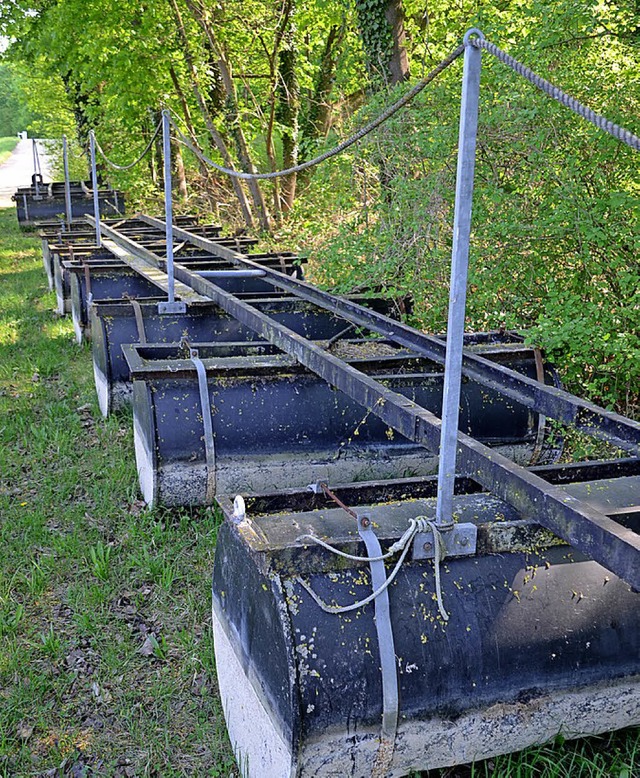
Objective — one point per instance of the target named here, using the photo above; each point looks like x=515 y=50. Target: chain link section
x=357 y=136
x=601 y=122
x=115 y=166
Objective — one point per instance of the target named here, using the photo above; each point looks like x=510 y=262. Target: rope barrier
x=115 y=166
x=601 y=122
x=357 y=136
x=82 y=154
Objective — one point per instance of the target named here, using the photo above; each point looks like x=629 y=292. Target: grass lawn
x=106 y=656
x=7 y=145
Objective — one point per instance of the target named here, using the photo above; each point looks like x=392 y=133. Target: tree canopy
x=264 y=85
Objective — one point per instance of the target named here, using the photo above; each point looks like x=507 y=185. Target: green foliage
x=100 y=561
x=79 y=692
x=125 y=62
x=51 y=643
x=11 y=616
x=556 y=206
x=14 y=115
x=554 y=248
x=33 y=99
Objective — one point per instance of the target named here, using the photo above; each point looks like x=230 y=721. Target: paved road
x=17 y=170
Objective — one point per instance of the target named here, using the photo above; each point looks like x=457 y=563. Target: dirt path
x=17 y=170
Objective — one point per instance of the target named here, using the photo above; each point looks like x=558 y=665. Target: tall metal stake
x=459 y=272
x=171 y=306
x=37 y=174
x=67 y=184
x=94 y=184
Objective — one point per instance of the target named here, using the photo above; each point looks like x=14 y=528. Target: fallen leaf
x=148 y=646
x=24 y=731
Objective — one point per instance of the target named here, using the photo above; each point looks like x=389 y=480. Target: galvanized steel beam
x=548 y=400
x=586 y=529
x=459 y=273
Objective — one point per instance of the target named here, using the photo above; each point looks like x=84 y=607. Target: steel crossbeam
x=588 y=530
x=151 y=272
x=548 y=400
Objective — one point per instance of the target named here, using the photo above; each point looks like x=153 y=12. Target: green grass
x=106 y=655
x=7 y=145
x=87 y=574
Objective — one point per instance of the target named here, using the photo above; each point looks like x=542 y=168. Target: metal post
x=459 y=271
x=35 y=167
x=171 y=306
x=94 y=184
x=67 y=185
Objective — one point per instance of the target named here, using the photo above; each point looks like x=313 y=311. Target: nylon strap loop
x=137 y=312
x=386 y=648
x=207 y=423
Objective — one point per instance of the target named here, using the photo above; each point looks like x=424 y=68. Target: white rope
x=418 y=524
x=439 y=553
x=397 y=546
x=360 y=603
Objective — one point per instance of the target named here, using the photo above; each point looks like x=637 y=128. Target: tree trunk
x=288 y=110
x=215 y=135
x=317 y=120
x=381 y=25
x=399 y=62
x=178 y=175
x=79 y=102
x=232 y=113
x=186 y=112
x=242 y=147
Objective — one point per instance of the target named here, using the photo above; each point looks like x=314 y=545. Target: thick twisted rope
x=598 y=120
x=76 y=154
x=601 y=122
x=357 y=136
x=115 y=166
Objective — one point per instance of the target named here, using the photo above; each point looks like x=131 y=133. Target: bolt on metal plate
x=460 y=540
x=175 y=307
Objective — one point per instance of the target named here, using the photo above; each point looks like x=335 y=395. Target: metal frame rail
x=547 y=400
x=590 y=531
